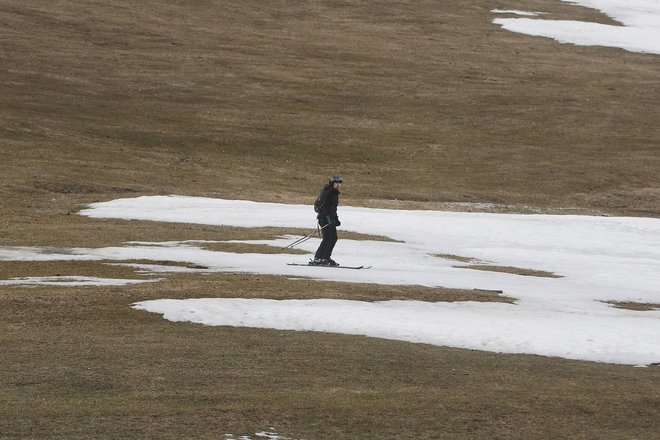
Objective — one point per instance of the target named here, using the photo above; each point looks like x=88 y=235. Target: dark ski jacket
x=329 y=202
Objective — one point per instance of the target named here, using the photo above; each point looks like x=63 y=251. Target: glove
x=330 y=222
x=337 y=222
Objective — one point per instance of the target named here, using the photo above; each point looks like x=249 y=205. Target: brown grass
x=417 y=101
x=455 y=258
x=511 y=270
x=637 y=306
x=423 y=105
x=79 y=362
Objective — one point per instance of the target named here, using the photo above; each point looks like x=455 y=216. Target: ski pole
x=302 y=239
x=306 y=237
x=299 y=241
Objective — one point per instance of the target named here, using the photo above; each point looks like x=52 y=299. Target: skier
x=328 y=219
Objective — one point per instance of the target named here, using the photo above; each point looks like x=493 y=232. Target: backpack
x=318 y=205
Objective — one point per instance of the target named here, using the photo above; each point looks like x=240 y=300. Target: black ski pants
x=328 y=243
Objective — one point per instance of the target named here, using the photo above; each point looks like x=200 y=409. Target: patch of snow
x=504 y=328
x=73 y=281
x=639 y=32
x=271 y=434
x=516 y=12
x=598 y=258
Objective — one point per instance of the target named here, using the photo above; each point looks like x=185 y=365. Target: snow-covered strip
x=516 y=12
x=639 y=32
x=72 y=281
x=25 y=253
x=268 y=435
x=201 y=210
x=480 y=326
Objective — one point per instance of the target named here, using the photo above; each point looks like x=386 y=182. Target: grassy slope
x=419 y=101
x=415 y=103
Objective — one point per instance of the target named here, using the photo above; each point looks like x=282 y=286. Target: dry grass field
x=422 y=104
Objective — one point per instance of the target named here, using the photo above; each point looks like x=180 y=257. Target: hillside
x=412 y=101
x=417 y=104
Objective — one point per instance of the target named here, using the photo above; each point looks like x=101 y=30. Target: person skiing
x=328 y=220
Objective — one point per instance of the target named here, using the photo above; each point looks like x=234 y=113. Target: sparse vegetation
x=455 y=258
x=511 y=270
x=632 y=305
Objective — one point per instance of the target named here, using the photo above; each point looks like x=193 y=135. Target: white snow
x=73 y=281
x=516 y=12
x=269 y=435
x=482 y=326
x=596 y=259
x=639 y=30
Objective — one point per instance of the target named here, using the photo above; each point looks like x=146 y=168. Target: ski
x=333 y=267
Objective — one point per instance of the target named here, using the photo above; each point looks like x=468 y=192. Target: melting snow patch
x=599 y=259
x=516 y=12
x=269 y=435
x=503 y=328
x=72 y=281
x=640 y=30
